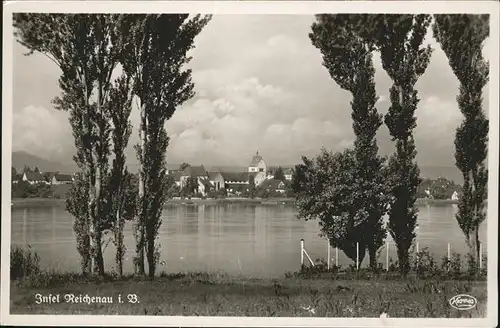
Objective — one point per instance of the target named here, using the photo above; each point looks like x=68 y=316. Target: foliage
x=399 y=39
x=325 y=194
x=279 y=174
x=76 y=205
x=184 y=166
x=462 y=37
x=23 y=263
x=347 y=55
x=173 y=191
x=190 y=187
x=440 y=188
x=23 y=189
x=156 y=58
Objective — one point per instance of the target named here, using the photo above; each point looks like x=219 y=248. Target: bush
x=424 y=264
x=23 y=263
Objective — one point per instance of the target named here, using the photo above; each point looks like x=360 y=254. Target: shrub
x=23 y=263
x=455 y=265
x=424 y=264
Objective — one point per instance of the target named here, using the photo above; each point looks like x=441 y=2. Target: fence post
x=387 y=257
x=328 y=253
x=480 y=256
x=357 y=256
x=302 y=252
x=337 y=257
x=449 y=256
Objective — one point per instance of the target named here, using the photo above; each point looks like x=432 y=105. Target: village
x=189 y=180
x=195 y=181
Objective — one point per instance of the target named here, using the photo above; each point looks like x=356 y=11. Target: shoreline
x=255 y=201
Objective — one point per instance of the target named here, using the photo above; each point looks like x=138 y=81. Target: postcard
x=250 y=163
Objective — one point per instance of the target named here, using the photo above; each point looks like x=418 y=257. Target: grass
x=218 y=294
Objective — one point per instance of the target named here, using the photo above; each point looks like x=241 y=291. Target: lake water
x=253 y=240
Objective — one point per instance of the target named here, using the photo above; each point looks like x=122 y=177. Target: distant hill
x=21 y=158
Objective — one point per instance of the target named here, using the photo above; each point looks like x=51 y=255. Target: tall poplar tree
x=348 y=57
x=121 y=199
x=87 y=49
x=399 y=39
x=462 y=38
x=162 y=83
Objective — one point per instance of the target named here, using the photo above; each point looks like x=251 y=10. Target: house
x=275 y=185
x=47 y=176
x=176 y=175
x=455 y=195
x=204 y=186
x=258 y=167
x=198 y=172
x=60 y=178
x=257 y=164
x=288 y=174
x=172 y=168
x=33 y=177
x=217 y=180
x=237 y=182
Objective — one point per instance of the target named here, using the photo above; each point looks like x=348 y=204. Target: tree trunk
x=372 y=253
x=473 y=243
x=119 y=243
x=142 y=201
x=151 y=255
x=97 y=202
x=403 y=258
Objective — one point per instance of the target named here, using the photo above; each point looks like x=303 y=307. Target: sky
x=260 y=86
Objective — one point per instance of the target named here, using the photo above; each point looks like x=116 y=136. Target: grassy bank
x=216 y=294
x=256 y=201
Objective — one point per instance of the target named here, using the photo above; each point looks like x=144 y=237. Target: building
x=33 y=177
x=258 y=167
x=237 y=182
x=198 y=172
x=60 y=178
x=204 y=186
x=257 y=164
x=275 y=185
x=217 y=180
x=455 y=195
x=288 y=174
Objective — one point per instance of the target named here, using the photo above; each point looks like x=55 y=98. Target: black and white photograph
x=237 y=163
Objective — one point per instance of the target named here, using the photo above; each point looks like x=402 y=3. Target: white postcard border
x=249 y=7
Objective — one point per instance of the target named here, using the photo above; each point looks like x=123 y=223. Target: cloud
x=42 y=131
x=260 y=85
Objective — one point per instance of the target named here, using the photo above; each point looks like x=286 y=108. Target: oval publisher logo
x=463 y=302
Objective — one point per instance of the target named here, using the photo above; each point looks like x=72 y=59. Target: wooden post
x=337 y=257
x=417 y=247
x=357 y=256
x=387 y=257
x=328 y=253
x=480 y=256
x=302 y=252
x=449 y=256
